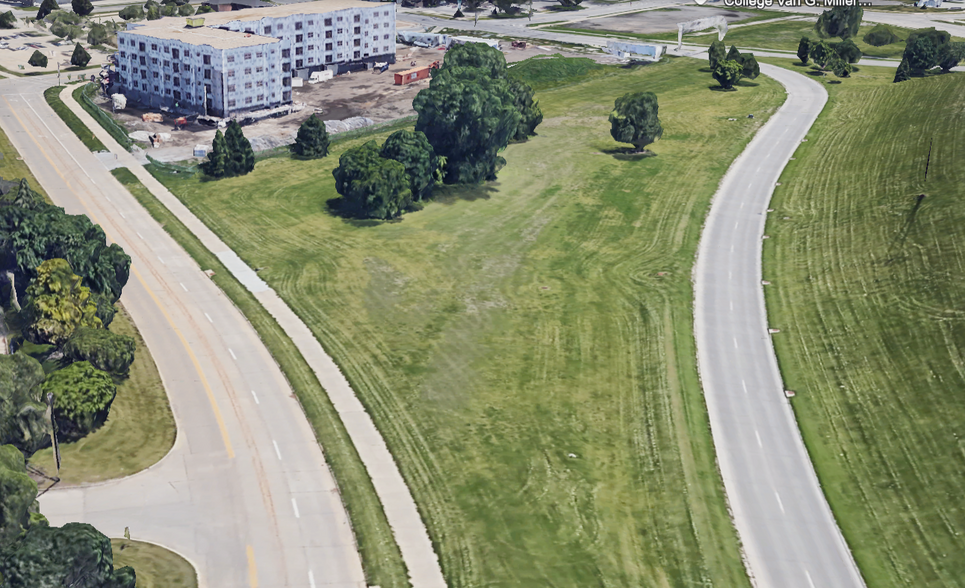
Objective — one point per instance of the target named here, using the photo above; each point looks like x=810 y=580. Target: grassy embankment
x=85 y=135
x=140 y=429
x=868 y=289
x=526 y=346
x=154 y=566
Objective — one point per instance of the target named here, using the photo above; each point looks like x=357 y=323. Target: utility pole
x=53 y=429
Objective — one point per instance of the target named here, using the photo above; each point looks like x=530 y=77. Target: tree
x=414 y=152
x=475 y=55
x=23 y=420
x=467 y=120
x=371 y=186
x=530 y=115
x=82 y=7
x=18 y=497
x=132 y=12
x=921 y=54
x=106 y=351
x=733 y=54
x=153 y=11
x=570 y=4
x=8 y=20
x=749 y=67
x=634 y=119
x=215 y=167
x=880 y=36
x=98 y=34
x=508 y=6
x=75 y=555
x=185 y=10
x=847 y=51
x=904 y=72
x=840 y=21
x=80 y=57
x=204 y=9
x=716 y=53
x=241 y=157
x=82 y=398
x=169 y=10
x=839 y=66
x=312 y=139
x=57 y=304
x=727 y=73
x=821 y=53
x=26 y=197
x=951 y=54
x=46 y=7
x=37 y=59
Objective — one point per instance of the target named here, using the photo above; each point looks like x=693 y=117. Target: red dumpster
x=411 y=75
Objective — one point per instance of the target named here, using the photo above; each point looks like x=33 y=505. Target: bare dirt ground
x=15 y=59
x=657 y=21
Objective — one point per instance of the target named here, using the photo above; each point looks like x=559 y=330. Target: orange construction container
x=411 y=75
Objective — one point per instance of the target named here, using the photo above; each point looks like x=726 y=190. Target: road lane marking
x=295 y=506
x=730 y=275
x=735 y=343
x=277 y=451
x=744 y=384
x=778 y=496
x=810 y=581
x=732 y=305
x=161 y=260
x=141 y=236
x=252 y=568
x=311 y=579
x=737 y=224
x=758 y=435
x=233 y=356
x=256 y=397
x=29 y=105
x=183 y=286
x=207 y=316
x=121 y=213
x=731 y=248
x=194 y=358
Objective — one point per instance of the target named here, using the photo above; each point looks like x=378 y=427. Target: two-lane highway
x=787 y=530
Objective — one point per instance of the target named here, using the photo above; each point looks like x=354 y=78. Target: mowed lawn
x=868 y=289
x=525 y=346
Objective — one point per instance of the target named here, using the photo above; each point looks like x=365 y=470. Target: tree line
x=60 y=283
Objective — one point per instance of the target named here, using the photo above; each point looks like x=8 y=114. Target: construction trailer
x=411 y=75
x=425 y=40
x=635 y=51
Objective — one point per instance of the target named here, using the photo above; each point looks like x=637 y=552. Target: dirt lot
x=365 y=94
x=16 y=60
x=657 y=21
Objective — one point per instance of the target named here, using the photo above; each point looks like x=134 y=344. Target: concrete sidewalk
x=397 y=502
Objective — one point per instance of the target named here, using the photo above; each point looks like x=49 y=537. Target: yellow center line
x=167 y=317
x=252 y=568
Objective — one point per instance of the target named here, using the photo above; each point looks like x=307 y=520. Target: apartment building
x=225 y=64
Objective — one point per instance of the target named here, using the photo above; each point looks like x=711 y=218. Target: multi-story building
x=228 y=63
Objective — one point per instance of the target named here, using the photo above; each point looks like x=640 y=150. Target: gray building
x=229 y=63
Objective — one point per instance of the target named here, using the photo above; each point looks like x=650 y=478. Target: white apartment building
x=238 y=61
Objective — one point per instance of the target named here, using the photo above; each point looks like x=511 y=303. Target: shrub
x=38 y=59
x=880 y=36
x=106 y=351
x=80 y=57
x=82 y=399
x=8 y=20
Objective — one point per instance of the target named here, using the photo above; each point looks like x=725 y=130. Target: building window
x=357 y=30
x=175 y=54
x=260 y=83
x=259 y=69
x=153 y=47
x=186 y=55
x=231 y=73
x=328 y=22
x=357 y=55
x=231 y=103
x=386 y=48
x=249 y=32
x=286 y=53
x=339 y=55
x=386 y=13
x=207 y=88
x=268 y=30
x=298 y=26
x=167 y=50
x=135 y=70
x=358 y=18
x=261 y=97
x=156 y=75
x=177 y=95
x=123 y=54
x=154 y=61
x=328 y=59
x=231 y=59
x=299 y=50
x=259 y=55
x=328 y=34
x=339 y=19
x=140 y=46
x=311 y=47
x=167 y=63
x=206 y=60
x=123 y=67
x=375 y=26
x=339 y=31
x=385 y=37
x=311 y=60
x=247 y=85
x=357 y=43
x=247 y=71
x=328 y=46
x=247 y=56
x=167 y=91
x=167 y=77
x=281 y=26
x=285 y=67
x=156 y=89
x=177 y=67
x=231 y=87
x=299 y=63
x=188 y=96
x=311 y=35
x=177 y=82
x=366 y=45
x=207 y=74
x=299 y=38
x=142 y=61
x=311 y=22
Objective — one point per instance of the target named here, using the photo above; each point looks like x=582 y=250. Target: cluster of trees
x=926 y=49
x=730 y=68
x=153 y=10
x=80 y=57
x=634 y=120
x=61 y=280
x=471 y=110
x=8 y=20
x=834 y=57
x=34 y=554
x=840 y=21
x=231 y=154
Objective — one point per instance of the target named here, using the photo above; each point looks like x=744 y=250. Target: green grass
x=508 y=326
x=154 y=566
x=543 y=73
x=138 y=433
x=381 y=558
x=869 y=292
x=83 y=97
x=83 y=133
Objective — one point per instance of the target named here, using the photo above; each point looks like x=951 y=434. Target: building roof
x=174 y=28
x=317 y=7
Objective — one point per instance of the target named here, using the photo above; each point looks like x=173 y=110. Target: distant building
x=228 y=63
x=229 y=5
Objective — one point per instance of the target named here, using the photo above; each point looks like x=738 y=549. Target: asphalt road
x=787 y=530
x=245 y=493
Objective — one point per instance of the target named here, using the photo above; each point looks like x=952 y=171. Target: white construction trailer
x=635 y=51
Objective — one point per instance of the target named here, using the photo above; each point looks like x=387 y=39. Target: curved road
x=245 y=493
x=788 y=532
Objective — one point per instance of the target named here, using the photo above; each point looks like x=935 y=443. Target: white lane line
x=742 y=205
x=121 y=213
x=810 y=581
x=758 y=435
x=108 y=199
x=141 y=236
x=183 y=286
x=744 y=384
x=776 y=495
x=277 y=451
x=311 y=579
x=731 y=248
x=730 y=275
x=233 y=356
x=295 y=506
x=732 y=305
x=161 y=260
x=208 y=316
x=735 y=343
x=256 y=397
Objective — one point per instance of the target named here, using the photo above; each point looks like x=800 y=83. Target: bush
x=106 y=351
x=204 y=9
x=99 y=35
x=371 y=186
x=169 y=10
x=38 y=59
x=82 y=399
x=880 y=36
x=848 y=51
x=132 y=12
x=185 y=10
x=8 y=20
x=82 y=7
x=727 y=73
x=80 y=57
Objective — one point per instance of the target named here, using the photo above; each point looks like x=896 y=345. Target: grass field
x=868 y=289
x=526 y=347
x=381 y=558
x=85 y=135
x=154 y=566
x=140 y=429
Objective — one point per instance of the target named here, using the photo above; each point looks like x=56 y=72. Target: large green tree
x=371 y=185
x=951 y=55
x=82 y=398
x=19 y=510
x=8 y=20
x=107 y=351
x=840 y=21
x=924 y=48
x=76 y=555
x=23 y=421
x=634 y=119
x=132 y=12
x=414 y=152
x=80 y=57
x=821 y=53
x=312 y=140
x=216 y=165
x=530 y=115
x=57 y=303
x=848 y=51
x=241 y=157
x=727 y=73
x=733 y=54
x=903 y=72
x=750 y=69
x=46 y=7
x=716 y=53
x=804 y=50
x=37 y=59
x=99 y=34
x=82 y=7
